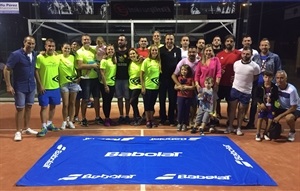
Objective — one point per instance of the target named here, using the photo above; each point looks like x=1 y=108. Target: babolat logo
x=141 y=154
x=174 y=139
x=59 y=150
x=192 y=177
x=238 y=159
x=110 y=139
x=96 y=176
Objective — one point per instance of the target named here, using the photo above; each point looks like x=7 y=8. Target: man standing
x=143 y=50
x=86 y=61
x=217 y=44
x=289 y=101
x=170 y=55
x=247 y=41
x=200 y=47
x=185 y=42
x=156 y=37
x=122 y=77
x=267 y=61
x=46 y=74
x=245 y=72
x=227 y=58
x=21 y=64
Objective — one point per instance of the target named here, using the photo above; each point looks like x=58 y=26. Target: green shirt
x=67 y=72
x=48 y=70
x=151 y=69
x=134 y=71
x=110 y=70
x=87 y=57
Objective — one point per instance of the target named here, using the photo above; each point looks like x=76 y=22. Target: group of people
x=194 y=79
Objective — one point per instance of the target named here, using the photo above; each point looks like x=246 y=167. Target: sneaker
x=257 y=137
x=30 y=131
x=71 y=125
x=51 y=127
x=63 y=125
x=42 y=133
x=246 y=120
x=162 y=122
x=121 y=120
x=184 y=128
x=194 y=130
x=201 y=131
x=239 y=132
x=149 y=124
x=76 y=119
x=18 y=136
x=266 y=137
x=228 y=130
x=291 y=136
x=250 y=126
x=179 y=127
x=99 y=120
x=84 y=122
x=212 y=130
x=107 y=122
x=127 y=120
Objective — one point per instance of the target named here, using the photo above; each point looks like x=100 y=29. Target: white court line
x=143 y=186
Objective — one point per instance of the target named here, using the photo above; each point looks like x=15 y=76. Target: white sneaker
x=291 y=136
x=257 y=137
x=267 y=138
x=63 y=125
x=30 y=131
x=212 y=130
x=239 y=132
x=228 y=130
x=18 y=136
x=71 y=125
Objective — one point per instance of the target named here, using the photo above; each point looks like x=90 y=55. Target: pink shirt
x=212 y=70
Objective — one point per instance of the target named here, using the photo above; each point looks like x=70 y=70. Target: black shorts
x=224 y=92
x=280 y=111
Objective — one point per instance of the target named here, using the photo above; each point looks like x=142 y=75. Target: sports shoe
x=266 y=137
x=76 y=119
x=246 y=120
x=127 y=120
x=184 y=128
x=239 y=132
x=291 y=136
x=228 y=130
x=18 y=136
x=257 y=137
x=201 y=131
x=63 y=125
x=99 y=120
x=84 y=122
x=42 y=133
x=121 y=120
x=107 y=122
x=30 y=131
x=194 y=130
x=149 y=124
x=212 y=130
x=71 y=125
x=179 y=127
x=51 y=127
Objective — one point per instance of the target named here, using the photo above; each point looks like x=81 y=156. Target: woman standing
x=108 y=70
x=150 y=71
x=68 y=85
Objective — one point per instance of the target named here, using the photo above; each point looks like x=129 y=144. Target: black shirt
x=169 y=61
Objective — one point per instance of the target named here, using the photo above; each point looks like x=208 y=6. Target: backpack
x=275 y=130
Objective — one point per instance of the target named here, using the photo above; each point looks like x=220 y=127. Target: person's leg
x=291 y=121
x=65 y=106
x=86 y=92
x=72 y=100
x=253 y=108
x=258 y=128
x=29 y=102
x=231 y=115
x=172 y=96
x=162 y=103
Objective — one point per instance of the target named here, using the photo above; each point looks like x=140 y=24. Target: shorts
x=240 y=96
x=22 y=99
x=51 y=97
x=266 y=114
x=122 y=89
x=280 y=111
x=70 y=87
x=90 y=86
x=224 y=92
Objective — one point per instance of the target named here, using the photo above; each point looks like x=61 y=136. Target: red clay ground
x=281 y=160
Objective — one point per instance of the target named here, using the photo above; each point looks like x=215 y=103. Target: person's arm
x=288 y=111
x=83 y=66
x=142 y=75
x=7 y=73
x=40 y=88
x=174 y=78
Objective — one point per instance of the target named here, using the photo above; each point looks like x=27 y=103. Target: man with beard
x=245 y=72
x=122 y=77
x=170 y=56
x=217 y=45
x=227 y=57
x=200 y=46
x=86 y=60
x=267 y=61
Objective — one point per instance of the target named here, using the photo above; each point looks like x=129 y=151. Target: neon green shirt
x=110 y=70
x=134 y=71
x=151 y=69
x=48 y=71
x=87 y=57
x=67 y=72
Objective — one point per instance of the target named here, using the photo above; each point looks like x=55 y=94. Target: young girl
x=266 y=96
x=185 y=92
x=135 y=86
x=68 y=85
x=108 y=70
x=150 y=71
x=206 y=100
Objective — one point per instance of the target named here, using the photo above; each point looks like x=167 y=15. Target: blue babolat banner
x=207 y=160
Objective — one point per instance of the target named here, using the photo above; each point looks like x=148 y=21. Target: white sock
x=44 y=125
x=49 y=122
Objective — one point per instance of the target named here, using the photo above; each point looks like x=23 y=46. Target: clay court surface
x=280 y=159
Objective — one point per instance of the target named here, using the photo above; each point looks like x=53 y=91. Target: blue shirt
x=23 y=70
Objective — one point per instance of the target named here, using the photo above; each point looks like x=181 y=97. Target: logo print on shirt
x=56 y=78
x=155 y=80
x=135 y=81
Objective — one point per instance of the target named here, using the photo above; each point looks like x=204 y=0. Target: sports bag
x=275 y=130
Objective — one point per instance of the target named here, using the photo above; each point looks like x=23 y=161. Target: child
x=185 y=92
x=206 y=100
x=266 y=95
